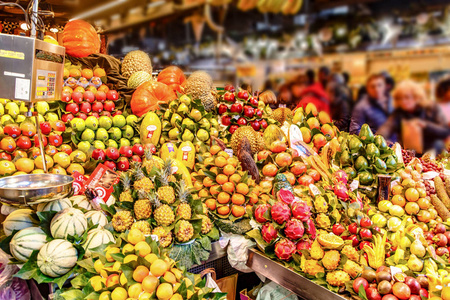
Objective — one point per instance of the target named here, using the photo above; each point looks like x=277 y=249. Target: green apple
x=173 y=133
x=119 y=121
x=196 y=114
x=105 y=122
x=187 y=136
x=12 y=109
x=78 y=124
x=214 y=123
x=203 y=135
x=2 y=109
x=91 y=123
x=51 y=117
x=20 y=119
x=182 y=109
x=189 y=124
x=102 y=134
x=112 y=143
x=88 y=135
x=99 y=145
x=84 y=146
x=128 y=132
x=42 y=107
x=174 y=119
x=185 y=99
x=131 y=119
x=6 y=119
x=135 y=140
x=124 y=142
x=115 y=133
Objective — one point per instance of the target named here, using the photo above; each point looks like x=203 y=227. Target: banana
x=291 y=7
x=246 y=5
x=263 y=5
x=377 y=254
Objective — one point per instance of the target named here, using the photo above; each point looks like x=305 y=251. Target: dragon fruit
x=304 y=244
x=340 y=176
x=269 y=233
x=280 y=212
x=340 y=190
x=301 y=210
x=284 y=249
x=286 y=196
x=260 y=213
x=311 y=228
x=294 y=229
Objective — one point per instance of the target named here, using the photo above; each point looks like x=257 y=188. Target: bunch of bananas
x=377 y=254
x=286 y=7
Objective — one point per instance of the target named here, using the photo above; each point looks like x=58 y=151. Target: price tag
x=229 y=151
x=314 y=190
x=354 y=185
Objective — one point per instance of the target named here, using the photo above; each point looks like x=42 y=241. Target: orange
x=25 y=165
x=412 y=208
x=433 y=213
x=103 y=88
x=253 y=198
x=223 y=198
x=270 y=170
x=109 y=251
x=242 y=188
x=67 y=90
x=135 y=290
x=203 y=193
x=424 y=203
x=220 y=161
x=28 y=129
x=257 y=190
x=223 y=210
x=215 y=149
x=229 y=170
x=211 y=204
x=412 y=195
x=215 y=189
x=8 y=144
x=223 y=154
x=143 y=248
x=264 y=198
x=79 y=89
x=170 y=277
x=198 y=185
x=66 y=73
x=232 y=161
x=228 y=187
x=237 y=211
x=99 y=72
x=424 y=216
x=208 y=182
x=140 y=273
x=408 y=182
x=235 y=178
x=290 y=177
x=158 y=268
x=87 y=73
x=215 y=170
x=221 y=179
x=164 y=291
x=135 y=236
x=398 y=200
x=150 y=283
x=397 y=190
x=74 y=72
x=119 y=293
x=238 y=199
x=208 y=161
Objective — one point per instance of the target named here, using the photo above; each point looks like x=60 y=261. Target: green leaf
x=4 y=242
x=45 y=218
x=362 y=292
x=87 y=264
x=73 y=294
x=79 y=281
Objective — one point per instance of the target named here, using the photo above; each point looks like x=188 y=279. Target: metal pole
x=34 y=16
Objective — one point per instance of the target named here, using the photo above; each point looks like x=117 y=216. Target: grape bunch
x=429 y=188
x=407 y=156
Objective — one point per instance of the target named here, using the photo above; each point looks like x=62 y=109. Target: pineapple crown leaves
x=148 y=154
x=183 y=192
x=165 y=172
x=125 y=180
x=143 y=195
x=153 y=197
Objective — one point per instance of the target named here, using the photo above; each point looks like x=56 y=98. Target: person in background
x=443 y=95
x=412 y=104
x=390 y=82
x=324 y=74
x=304 y=94
x=311 y=75
x=339 y=105
x=285 y=96
x=374 y=108
x=347 y=87
x=269 y=98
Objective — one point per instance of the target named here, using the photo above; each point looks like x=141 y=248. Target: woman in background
x=443 y=95
x=339 y=105
x=412 y=105
x=285 y=97
x=269 y=98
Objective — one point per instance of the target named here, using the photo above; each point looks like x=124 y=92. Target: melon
x=26 y=241
x=18 y=220
x=81 y=201
x=57 y=257
x=96 y=217
x=56 y=205
x=69 y=221
x=97 y=237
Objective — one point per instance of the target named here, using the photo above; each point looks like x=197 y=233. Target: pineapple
x=166 y=192
x=126 y=182
x=185 y=231
x=184 y=209
x=122 y=221
x=143 y=226
x=206 y=224
x=141 y=181
x=149 y=161
x=164 y=237
x=142 y=207
x=163 y=214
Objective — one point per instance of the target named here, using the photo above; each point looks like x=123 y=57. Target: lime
x=131 y=119
x=99 y=145
x=115 y=133
x=42 y=107
x=102 y=134
x=91 y=123
x=124 y=142
x=112 y=143
x=203 y=135
x=84 y=146
x=173 y=133
x=78 y=124
x=128 y=132
x=105 y=122
x=119 y=121
x=135 y=140
x=88 y=135
x=204 y=123
x=51 y=117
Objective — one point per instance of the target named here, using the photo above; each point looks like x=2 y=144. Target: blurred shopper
x=324 y=76
x=269 y=98
x=339 y=105
x=303 y=94
x=443 y=95
x=411 y=105
x=390 y=82
x=347 y=87
x=374 y=108
x=285 y=96
x=311 y=75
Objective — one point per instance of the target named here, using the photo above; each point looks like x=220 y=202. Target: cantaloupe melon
x=69 y=221
x=26 y=241
x=56 y=205
x=57 y=257
x=81 y=201
x=18 y=220
x=97 y=237
x=96 y=217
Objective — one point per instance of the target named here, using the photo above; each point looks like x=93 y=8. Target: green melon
x=81 y=201
x=57 y=257
x=96 y=217
x=26 y=241
x=97 y=237
x=70 y=221
x=56 y=205
x=138 y=78
x=18 y=220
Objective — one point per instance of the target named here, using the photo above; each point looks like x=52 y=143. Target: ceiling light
x=24 y=26
x=99 y=9
x=54 y=30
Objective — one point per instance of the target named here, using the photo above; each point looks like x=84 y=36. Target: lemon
x=78 y=156
x=39 y=162
x=7 y=167
x=75 y=167
x=62 y=159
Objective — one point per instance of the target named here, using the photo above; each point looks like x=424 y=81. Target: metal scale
x=31 y=70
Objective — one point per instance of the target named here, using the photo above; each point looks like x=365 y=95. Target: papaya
x=168 y=150
x=150 y=129
x=179 y=168
x=366 y=134
x=272 y=134
x=355 y=144
x=372 y=150
x=380 y=142
x=186 y=154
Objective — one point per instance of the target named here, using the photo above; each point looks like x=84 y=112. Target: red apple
x=123 y=164
x=105 y=113
x=46 y=128
x=77 y=97
x=89 y=96
x=117 y=112
x=55 y=139
x=13 y=130
x=82 y=116
x=65 y=97
x=72 y=108
x=138 y=149
x=222 y=109
x=97 y=107
x=243 y=94
x=249 y=111
x=99 y=154
x=112 y=153
x=110 y=164
x=263 y=124
x=233 y=128
x=100 y=96
x=67 y=117
x=338 y=229
x=229 y=97
x=236 y=108
x=226 y=120
x=136 y=158
x=112 y=95
x=85 y=107
x=256 y=126
x=5 y=156
x=109 y=106
x=58 y=126
x=242 y=121
x=253 y=102
x=23 y=142
x=258 y=113
x=126 y=151
x=229 y=88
